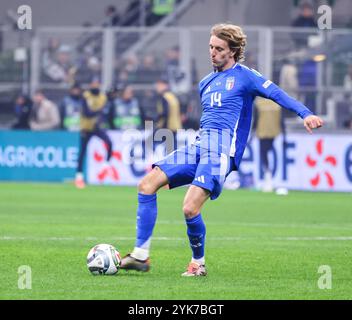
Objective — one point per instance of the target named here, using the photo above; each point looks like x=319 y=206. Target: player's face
x=220 y=54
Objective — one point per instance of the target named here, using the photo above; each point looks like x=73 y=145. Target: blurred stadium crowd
x=71 y=65
x=121 y=108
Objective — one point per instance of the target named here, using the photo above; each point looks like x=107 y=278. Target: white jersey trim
x=234 y=140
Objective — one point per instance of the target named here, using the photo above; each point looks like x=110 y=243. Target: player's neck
x=227 y=66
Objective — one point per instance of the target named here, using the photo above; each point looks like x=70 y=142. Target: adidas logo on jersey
x=200 y=179
x=207 y=91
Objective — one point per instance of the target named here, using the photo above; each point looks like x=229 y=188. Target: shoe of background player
x=130 y=263
x=268 y=182
x=195 y=269
x=79 y=181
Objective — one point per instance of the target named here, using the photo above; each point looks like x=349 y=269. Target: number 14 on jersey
x=215 y=99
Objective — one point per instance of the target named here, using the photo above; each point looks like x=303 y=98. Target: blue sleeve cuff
x=306 y=113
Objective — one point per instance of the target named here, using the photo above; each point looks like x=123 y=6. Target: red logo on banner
x=313 y=163
x=108 y=171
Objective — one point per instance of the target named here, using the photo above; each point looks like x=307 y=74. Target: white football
x=103 y=259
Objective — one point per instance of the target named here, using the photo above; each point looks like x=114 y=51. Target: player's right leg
x=176 y=169
x=146 y=218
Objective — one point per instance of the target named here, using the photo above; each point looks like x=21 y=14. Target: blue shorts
x=198 y=166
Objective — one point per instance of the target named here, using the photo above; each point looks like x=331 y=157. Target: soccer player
x=226 y=97
x=93 y=115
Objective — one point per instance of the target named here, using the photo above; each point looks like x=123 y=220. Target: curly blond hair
x=234 y=36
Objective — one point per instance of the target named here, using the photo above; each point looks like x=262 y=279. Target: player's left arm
x=310 y=121
x=270 y=90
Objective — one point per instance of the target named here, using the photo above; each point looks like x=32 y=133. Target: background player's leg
x=265 y=146
x=264 y=161
x=104 y=136
x=193 y=202
x=147 y=211
x=84 y=139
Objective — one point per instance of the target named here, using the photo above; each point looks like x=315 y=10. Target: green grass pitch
x=259 y=246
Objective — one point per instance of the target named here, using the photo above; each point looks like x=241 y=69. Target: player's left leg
x=104 y=136
x=209 y=179
x=193 y=202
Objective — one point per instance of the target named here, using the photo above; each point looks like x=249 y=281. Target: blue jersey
x=227 y=98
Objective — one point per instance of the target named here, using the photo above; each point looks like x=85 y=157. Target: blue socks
x=196 y=234
x=146 y=217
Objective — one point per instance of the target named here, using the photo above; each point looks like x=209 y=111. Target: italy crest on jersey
x=230 y=82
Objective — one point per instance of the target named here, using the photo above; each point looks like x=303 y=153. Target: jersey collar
x=233 y=67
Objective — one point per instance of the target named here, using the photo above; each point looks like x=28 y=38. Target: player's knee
x=190 y=211
x=145 y=187
x=148 y=185
x=152 y=182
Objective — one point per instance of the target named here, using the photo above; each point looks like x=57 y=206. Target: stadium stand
x=64 y=48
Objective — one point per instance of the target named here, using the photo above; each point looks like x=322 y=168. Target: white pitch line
x=266 y=225
x=316 y=238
